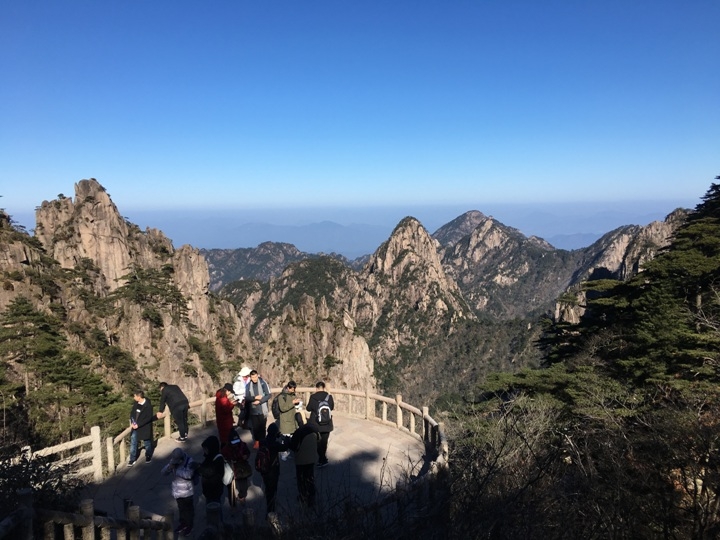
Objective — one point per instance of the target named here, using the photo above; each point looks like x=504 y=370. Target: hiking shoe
x=131 y=463
x=186 y=531
x=182 y=439
x=148 y=459
x=322 y=464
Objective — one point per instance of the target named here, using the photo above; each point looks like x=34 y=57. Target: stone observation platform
x=379 y=445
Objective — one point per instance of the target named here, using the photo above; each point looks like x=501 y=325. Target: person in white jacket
x=182 y=467
x=239 y=384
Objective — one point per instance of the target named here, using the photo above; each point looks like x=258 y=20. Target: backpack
x=324 y=413
x=228 y=474
x=276 y=408
x=263 y=460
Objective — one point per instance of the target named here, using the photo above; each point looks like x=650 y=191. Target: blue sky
x=249 y=105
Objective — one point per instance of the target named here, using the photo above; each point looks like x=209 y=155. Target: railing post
x=425 y=414
x=167 y=426
x=443 y=446
x=398 y=419
x=367 y=404
x=167 y=531
x=203 y=412
x=97 y=453
x=412 y=423
x=87 y=509
x=133 y=515
x=110 y=455
x=123 y=451
x=213 y=515
x=249 y=521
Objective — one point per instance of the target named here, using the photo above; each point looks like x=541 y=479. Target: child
x=182 y=467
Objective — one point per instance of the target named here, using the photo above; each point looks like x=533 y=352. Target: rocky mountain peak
x=90 y=227
x=457 y=229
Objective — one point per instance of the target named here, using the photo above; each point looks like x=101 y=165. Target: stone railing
x=87 y=452
x=83 y=456
x=20 y=524
x=368 y=405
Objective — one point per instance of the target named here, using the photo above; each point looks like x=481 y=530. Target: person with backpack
x=236 y=452
x=321 y=405
x=257 y=394
x=267 y=463
x=182 y=467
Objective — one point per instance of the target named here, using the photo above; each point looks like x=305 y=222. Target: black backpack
x=275 y=408
x=324 y=413
x=263 y=459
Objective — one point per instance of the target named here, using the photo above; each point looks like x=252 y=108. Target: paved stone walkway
x=366 y=459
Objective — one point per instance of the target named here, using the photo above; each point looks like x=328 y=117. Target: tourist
x=271 y=445
x=257 y=394
x=224 y=405
x=288 y=421
x=178 y=403
x=212 y=470
x=321 y=405
x=304 y=443
x=239 y=384
x=236 y=452
x=183 y=468
x=141 y=419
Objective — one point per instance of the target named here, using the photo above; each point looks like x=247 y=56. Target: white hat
x=244 y=372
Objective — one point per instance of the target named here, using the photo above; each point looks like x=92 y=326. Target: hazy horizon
x=357 y=231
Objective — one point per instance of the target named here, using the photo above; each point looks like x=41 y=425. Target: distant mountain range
x=356 y=232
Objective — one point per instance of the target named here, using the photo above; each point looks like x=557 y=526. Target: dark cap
x=228 y=387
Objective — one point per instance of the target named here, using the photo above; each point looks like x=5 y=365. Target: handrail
x=362 y=404
x=403 y=416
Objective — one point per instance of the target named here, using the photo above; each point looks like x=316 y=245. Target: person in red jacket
x=224 y=405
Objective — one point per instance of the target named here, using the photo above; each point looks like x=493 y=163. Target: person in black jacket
x=178 y=403
x=275 y=443
x=324 y=426
x=211 y=471
x=141 y=419
x=304 y=443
